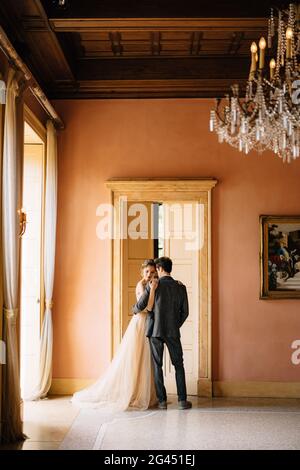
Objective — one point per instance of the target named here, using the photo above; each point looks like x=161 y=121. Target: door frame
x=41 y=131
x=166 y=190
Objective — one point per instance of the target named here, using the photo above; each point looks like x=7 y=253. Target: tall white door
x=31 y=267
x=182 y=233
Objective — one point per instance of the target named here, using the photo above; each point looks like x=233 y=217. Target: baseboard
x=257 y=389
x=206 y=388
x=68 y=386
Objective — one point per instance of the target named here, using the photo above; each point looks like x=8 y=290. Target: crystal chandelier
x=268 y=116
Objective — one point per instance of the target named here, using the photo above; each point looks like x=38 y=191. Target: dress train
x=128 y=381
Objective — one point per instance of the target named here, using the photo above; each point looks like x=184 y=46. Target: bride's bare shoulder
x=140 y=287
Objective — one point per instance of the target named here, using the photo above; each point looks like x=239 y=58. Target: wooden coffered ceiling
x=123 y=48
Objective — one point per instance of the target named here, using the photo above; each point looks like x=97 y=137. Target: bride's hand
x=154 y=283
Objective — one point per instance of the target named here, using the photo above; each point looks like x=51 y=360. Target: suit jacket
x=171 y=307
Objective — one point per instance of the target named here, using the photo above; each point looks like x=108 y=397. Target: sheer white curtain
x=13 y=131
x=49 y=259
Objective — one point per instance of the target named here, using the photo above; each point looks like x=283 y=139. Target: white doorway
x=31 y=259
x=193 y=267
x=168 y=231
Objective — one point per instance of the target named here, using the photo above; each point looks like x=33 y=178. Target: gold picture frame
x=279 y=257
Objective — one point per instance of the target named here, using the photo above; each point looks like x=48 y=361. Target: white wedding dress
x=128 y=381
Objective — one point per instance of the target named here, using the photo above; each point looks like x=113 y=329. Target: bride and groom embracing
x=134 y=378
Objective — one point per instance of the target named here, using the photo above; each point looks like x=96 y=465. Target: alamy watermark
x=296 y=92
x=179 y=221
x=295 y=358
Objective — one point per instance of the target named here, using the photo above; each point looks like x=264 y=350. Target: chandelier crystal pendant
x=267 y=117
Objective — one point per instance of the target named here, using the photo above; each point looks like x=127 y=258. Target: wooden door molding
x=166 y=190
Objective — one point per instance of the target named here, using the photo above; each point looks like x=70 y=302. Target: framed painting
x=280 y=257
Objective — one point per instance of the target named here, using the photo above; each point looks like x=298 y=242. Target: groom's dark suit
x=170 y=309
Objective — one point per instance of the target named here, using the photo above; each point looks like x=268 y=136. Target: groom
x=170 y=310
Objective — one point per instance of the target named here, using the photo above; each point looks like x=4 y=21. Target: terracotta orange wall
x=169 y=138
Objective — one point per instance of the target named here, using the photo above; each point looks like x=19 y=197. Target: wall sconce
x=23 y=221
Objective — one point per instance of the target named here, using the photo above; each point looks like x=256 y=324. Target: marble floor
x=46 y=422
x=218 y=423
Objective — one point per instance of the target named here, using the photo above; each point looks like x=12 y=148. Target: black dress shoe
x=162 y=405
x=184 y=405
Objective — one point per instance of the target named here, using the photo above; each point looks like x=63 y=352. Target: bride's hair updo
x=146 y=263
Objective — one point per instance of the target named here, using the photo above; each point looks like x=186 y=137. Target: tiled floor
x=225 y=423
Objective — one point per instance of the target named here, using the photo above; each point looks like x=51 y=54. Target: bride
x=128 y=381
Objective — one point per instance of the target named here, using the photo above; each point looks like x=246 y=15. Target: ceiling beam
x=157 y=24
x=168 y=68
x=154 y=78
x=176 y=88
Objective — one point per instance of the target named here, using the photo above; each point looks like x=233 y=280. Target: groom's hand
x=141 y=304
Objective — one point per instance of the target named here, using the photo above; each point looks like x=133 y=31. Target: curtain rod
x=32 y=84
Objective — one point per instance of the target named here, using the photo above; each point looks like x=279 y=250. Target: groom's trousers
x=176 y=354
